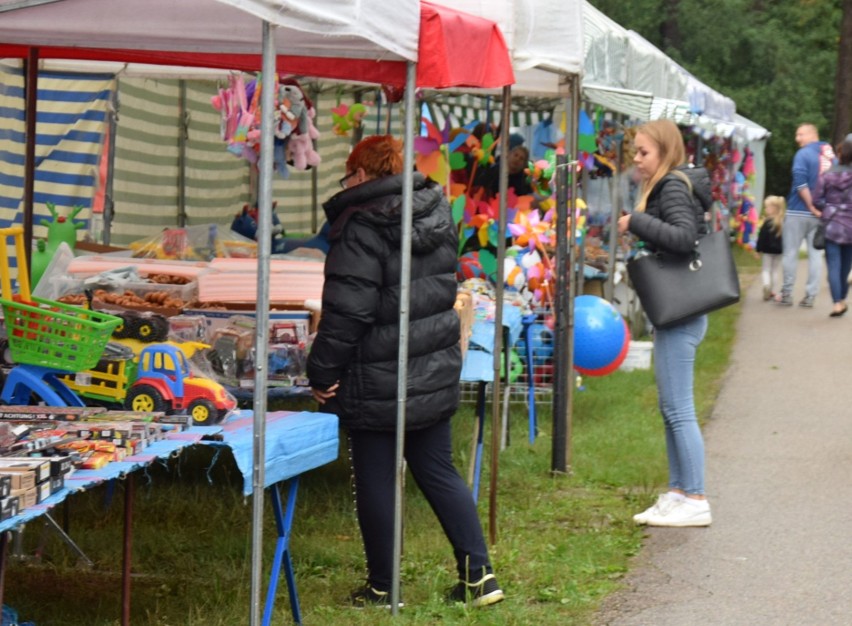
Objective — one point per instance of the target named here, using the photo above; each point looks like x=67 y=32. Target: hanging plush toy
x=294 y=126
x=346 y=118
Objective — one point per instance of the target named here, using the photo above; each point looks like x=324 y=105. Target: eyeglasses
x=343 y=180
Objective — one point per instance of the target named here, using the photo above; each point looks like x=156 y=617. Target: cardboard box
x=19 y=480
x=43 y=491
x=218 y=317
x=26 y=497
x=56 y=483
x=9 y=507
x=39 y=467
x=5 y=486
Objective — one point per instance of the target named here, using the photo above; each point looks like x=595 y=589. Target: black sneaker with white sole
x=368 y=596
x=483 y=592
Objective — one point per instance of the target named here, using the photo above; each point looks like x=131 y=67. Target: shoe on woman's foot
x=663 y=503
x=684 y=513
x=483 y=592
x=370 y=596
x=838 y=312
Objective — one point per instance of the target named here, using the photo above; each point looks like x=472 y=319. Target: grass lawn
x=563 y=541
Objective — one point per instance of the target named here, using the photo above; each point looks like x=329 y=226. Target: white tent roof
x=626 y=73
x=364 y=29
x=622 y=59
x=545 y=38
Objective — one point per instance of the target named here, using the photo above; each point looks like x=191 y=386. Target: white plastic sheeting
x=626 y=73
x=323 y=28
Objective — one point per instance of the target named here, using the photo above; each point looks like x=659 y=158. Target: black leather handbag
x=674 y=288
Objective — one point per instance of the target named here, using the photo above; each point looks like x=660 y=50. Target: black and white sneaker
x=368 y=596
x=483 y=592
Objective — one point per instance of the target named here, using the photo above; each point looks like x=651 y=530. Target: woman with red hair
x=353 y=362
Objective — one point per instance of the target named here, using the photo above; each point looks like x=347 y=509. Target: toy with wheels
x=601 y=336
x=45 y=338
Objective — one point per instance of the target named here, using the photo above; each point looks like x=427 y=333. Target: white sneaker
x=664 y=502
x=686 y=512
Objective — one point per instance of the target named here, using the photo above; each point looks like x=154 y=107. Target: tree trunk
x=669 y=28
x=843 y=83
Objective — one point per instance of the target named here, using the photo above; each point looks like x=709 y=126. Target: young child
x=769 y=243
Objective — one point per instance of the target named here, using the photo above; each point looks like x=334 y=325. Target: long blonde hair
x=778 y=219
x=666 y=135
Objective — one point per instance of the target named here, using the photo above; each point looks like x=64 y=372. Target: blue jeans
x=838 y=258
x=674 y=364
x=800 y=228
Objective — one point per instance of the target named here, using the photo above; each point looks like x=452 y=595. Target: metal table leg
x=284 y=523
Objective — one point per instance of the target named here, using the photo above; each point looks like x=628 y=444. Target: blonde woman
x=667 y=218
x=769 y=243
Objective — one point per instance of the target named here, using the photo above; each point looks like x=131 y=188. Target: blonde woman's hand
x=623 y=224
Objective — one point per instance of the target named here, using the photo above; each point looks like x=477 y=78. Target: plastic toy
x=346 y=118
x=245 y=224
x=159 y=380
x=601 y=336
x=59 y=229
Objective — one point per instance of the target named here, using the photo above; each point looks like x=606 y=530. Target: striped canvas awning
x=71 y=122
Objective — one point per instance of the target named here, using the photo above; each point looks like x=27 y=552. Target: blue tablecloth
x=295 y=442
x=478 y=363
x=83 y=479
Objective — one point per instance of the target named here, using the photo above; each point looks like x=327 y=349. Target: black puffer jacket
x=358 y=338
x=673 y=218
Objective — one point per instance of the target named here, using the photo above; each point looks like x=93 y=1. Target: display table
x=295 y=442
x=478 y=367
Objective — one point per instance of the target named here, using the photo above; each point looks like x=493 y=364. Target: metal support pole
x=30 y=102
x=566 y=271
x=503 y=189
x=109 y=200
x=129 y=494
x=183 y=130
x=264 y=245
x=404 y=312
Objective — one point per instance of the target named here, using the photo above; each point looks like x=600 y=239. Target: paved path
x=779 y=471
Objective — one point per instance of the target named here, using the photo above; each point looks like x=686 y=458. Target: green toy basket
x=56 y=335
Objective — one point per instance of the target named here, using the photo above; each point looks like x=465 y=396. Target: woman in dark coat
x=667 y=218
x=352 y=365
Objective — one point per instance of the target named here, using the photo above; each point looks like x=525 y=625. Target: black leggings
x=429 y=456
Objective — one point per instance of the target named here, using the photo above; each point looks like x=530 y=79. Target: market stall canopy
x=617 y=58
x=225 y=33
x=363 y=40
x=626 y=73
x=458 y=49
x=545 y=38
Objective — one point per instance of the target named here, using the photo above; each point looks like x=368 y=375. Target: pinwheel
x=436 y=152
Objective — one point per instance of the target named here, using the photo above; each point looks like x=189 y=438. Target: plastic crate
x=56 y=335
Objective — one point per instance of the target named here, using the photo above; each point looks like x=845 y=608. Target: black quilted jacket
x=358 y=338
x=672 y=220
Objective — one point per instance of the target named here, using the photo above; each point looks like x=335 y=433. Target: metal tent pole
x=498 y=314
x=264 y=244
x=404 y=296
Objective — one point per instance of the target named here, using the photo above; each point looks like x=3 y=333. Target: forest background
x=784 y=62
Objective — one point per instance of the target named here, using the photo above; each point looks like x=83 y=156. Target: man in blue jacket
x=812 y=158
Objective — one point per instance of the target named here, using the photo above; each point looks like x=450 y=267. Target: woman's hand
x=623 y=224
x=323 y=395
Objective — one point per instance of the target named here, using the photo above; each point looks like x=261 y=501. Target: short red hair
x=377 y=155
